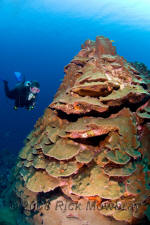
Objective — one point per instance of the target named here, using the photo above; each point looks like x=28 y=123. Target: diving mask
x=34 y=90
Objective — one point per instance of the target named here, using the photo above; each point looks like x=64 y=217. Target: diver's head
x=35 y=87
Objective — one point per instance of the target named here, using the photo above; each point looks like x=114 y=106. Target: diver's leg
x=16 y=105
x=10 y=94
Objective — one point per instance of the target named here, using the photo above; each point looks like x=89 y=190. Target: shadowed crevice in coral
x=112 y=110
x=93 y=141
x=43 y=198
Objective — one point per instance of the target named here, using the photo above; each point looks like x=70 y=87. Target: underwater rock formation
x=91 y=146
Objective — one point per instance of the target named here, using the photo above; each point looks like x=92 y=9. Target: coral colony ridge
x=90 y=149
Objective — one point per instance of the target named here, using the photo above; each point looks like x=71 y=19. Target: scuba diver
x=24 y=93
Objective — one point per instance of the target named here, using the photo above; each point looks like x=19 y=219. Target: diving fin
x=18 y=76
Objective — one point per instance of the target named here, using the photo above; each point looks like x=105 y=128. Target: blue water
x=40 y=39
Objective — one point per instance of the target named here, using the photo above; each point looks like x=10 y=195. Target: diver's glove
x=30 y=108
x=15 y=107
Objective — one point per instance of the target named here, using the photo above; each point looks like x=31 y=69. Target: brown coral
x=93 y=140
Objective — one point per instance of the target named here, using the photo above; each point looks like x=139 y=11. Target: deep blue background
x=39 y=43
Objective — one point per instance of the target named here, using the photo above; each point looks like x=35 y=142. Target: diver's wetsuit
x=20 y=94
